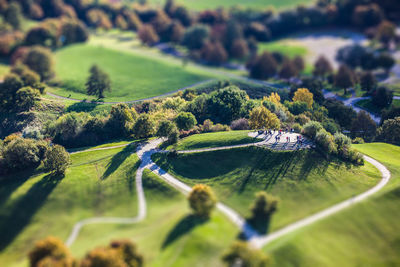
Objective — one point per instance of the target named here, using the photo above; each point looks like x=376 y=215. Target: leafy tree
x=239 y=49
x=367 y=15
x=214 y=53
x=20 y=154
x=26 y=98
x=148 y=35
x=264 y=67
x=390 y=131
x=345 y=78
x=241 y=252
x=13 y=15
x=368 y=82
x=344 y=115
x=260 y=117
x=202 y=200
x=363 y=126
x=185 y=121
x=322 y=67
x=144 y=126
x=103 y=257
x=182 y=14
x=52 y=248
x=298 y=61
x=97 y=18
x=165 y=128
x=325 y=141
x=11 y=84
x=390 y=113
x=128 y=252
x=314 y=85
x=121 y=117
x=386 y=61
x=297 y=107
x=303 y=95
x=386 y=32
x=195 y=37
x=57 y=159
x=74 y=31
x=262 y=209
x=288 y=70
x=311 y=129
x=98 y=82
x=40 y=60
x=41 y=35
x=382 y=97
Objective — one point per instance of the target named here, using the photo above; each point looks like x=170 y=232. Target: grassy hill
x=216 y=139
x=364 y=235
x=132 y=76
x=303 y=180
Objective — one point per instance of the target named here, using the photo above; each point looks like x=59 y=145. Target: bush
x=40 y=60
x=148 y=35
x=57 y=160
x=311 y=128
x=240 y=124
x=325 y=141
x=241 y=252
x=48 y=247
x=264 y=67
x=185 y=121
x=195 y=37
x=144 y=126
x=390 y=131
x=202 y=200
x=26 y=98
x=358 y=140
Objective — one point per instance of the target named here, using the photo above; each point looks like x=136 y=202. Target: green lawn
x=364 y=235
x=100 y=183
x=217 y=139
x=168 y=236
x=132 y=76
x=4 y=69
x=257 y=4
x=303 y=180
x=290 y=50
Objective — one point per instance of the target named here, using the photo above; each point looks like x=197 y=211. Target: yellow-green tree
x=303 y=95
x=274 y=98
x=260 y=117
x=202 y=200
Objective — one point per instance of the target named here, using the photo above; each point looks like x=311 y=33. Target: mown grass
x=168 y=236
x=303 y=180
x=364 y=235
x=217 y=139
x=257 y=4
x=290 y=50
x=100 y=183
x=132 y=76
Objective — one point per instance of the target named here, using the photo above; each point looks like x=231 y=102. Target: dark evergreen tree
x=98 y=82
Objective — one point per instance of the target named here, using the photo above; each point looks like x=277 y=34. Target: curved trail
x=145 y=152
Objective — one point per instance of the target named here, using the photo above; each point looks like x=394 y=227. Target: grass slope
x=258 y=4
x=284 y=47
x=364 y=235
x=132 y=76
x=217 y=139
x=303 y=180
x=99 y=183
x=168 y=236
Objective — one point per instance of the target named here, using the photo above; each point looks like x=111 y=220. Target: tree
x=298 y=61
x=322 y=67
x=8 y=89
x=260 y=117
x=26 y=98
x=303 y=95
x=367 y=15
x=382 y=97
x=368 y=82
x=185 y=121
x=262 y=209
x=144 y=126
x=311 y=129
x=202 y=200
x=264 y=67
x=98 y=82
x=148 y=35
x=121 y=23
x=21 y=153
x=385 y=61
x=74 y=31
x=239 y=49
x=363 y=126
x=390 y=131
x=288 y=70
x=57 y=160
x=40 y=60
x=195 y=37
x=325 y=141
x=345 y=78
x=128 y=252
x=386 y=32
x=49 y=247
x=344 y=115
x=103 y=257
x=241 y=254
x=13 y=15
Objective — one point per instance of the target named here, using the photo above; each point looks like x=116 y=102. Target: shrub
x=202 y=200
x=148 y=35
x=358 y=140
x=57 y=160
x=297 y=128
x=241 y=252
x=261 y=211
x=195 y=37
x=185 y=121
x=26 y=98
x=390 y=131
x=325 y=141
x=48 y=247
x=40 y=60
x=240 y=124
x=264 y=67
x=144 y=126
x=98 y=82
x=311 y=128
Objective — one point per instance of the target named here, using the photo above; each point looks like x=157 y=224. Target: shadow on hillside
x=82 y=107
x=313 y=162
x=12 y=223
x=116 y=161
x=184 y=226
x=9 y=184
x=131 y=177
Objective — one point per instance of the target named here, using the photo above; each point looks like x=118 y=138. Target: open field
x=258 y=4
x=303 y=180
x=216 y=139
x=168 y=236
x=284 y=47
x=132 y=76
x=364 y=235
x=33 y=206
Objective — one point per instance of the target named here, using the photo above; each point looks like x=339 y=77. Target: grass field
x=35 y=206
x=364 y=235
x=303 y=180
x=290 y=50
x=216 y=139
x=168 y=236
x=132 y=76
x=257 y=4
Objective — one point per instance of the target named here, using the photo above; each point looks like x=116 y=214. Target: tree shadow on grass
x=184 y=226
x=131 y=176
x=313 y=161
x=116 y=161
x=12 y=223
x=82 y=107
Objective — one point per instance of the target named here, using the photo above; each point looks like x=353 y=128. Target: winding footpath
x=146 y=150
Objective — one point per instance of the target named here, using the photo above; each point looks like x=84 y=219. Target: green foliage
x=241 y=253
x=26 y=98
x=390 y=131
x=49 y=247
x=202 y=200
x=165 y=128
x=185 y=121
x=382 y=97
x=121 y=119
x=98 y=82
x=57 y=160
x=195 y=36
x=13 y=15
x=40 y=60
x=144 y=126
x=345 y=78
x=325 y=141
x=363 y=126
x=311 y=128
x=264 y=67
